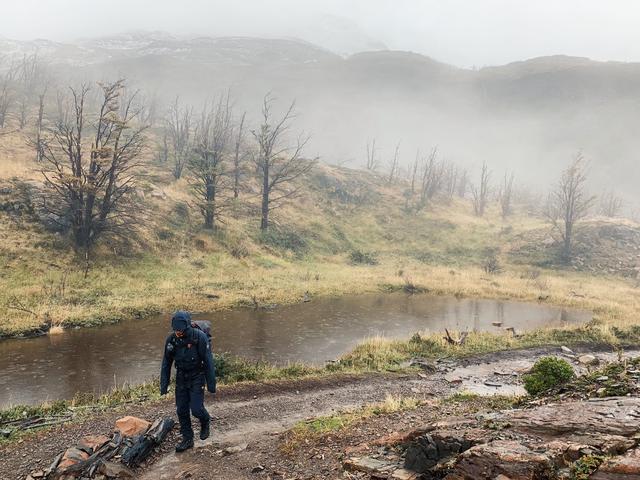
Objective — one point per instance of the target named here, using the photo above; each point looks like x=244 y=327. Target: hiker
x=190 y=348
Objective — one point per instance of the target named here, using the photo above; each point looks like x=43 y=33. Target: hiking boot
x=184 y=445
x=204 y=430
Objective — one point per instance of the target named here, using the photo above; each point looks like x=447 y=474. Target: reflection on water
x=95 y=359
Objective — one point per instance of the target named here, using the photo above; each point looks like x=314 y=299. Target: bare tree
x=610 y=204
x=480 y=192
x=393 y=171
x=39 y=141
x=162 y=154
x=506 y=195
x=568 y=203
x=208 y=163
x=414 y=173
x=30 y=74
x=7 y=90
x=372 y=161
x=278 y=163
x=462 y=184
x=238 y=158
x=91 y=189
x=432 y=177
x=450 y=181
x=178 y=124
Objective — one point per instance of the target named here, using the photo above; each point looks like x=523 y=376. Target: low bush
x=547 y=373
x=284 y=238
x=359 y=257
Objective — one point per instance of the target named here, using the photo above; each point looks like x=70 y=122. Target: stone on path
x=588 y=359
x=367 y=465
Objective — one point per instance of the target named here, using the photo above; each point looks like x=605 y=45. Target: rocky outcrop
x=543 y=442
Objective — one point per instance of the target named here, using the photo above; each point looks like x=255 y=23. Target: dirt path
x=252 y=416
x=254 y=421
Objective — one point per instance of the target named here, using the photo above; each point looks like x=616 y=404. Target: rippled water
x=95 y=359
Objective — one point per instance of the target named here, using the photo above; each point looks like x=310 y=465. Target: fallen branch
x=455 y=341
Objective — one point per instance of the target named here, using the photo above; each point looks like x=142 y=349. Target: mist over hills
x=528 y=116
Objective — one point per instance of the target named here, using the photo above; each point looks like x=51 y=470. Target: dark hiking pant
x=190 y=399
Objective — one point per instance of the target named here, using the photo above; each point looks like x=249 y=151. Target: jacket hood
x=181 y=320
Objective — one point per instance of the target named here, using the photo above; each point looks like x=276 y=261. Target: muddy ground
x=253 y=419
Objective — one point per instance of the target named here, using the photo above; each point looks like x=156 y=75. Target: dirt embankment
x=253 y=419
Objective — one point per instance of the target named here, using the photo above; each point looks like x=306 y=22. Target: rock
x=579 y=418
x=548 y=241
x=241 y=447
x=115 y=470
x=566 y=350
x=72 y=456
x=403 y=474
x=453 y=378
x=426 y=451
x=91 y=443
x=38 y=474
x=492 y=384
x=367 y=465
x=503 y=457
x=588 y=360
x=424 y=364
x=132 y=426
x=603 y=378
x=158 y=194
x=619 y=468
x=258 y=469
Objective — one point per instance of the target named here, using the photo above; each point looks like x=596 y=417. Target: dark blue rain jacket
x=191 y=353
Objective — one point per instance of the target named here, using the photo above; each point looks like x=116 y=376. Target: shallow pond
x=96 y=359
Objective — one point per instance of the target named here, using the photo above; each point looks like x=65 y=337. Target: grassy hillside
x=348 y=232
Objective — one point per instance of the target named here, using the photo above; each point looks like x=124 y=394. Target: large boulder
x=503 y=457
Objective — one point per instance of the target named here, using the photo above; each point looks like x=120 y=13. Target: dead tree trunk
x=237 y=160
x=480 y=192
x=394 y=165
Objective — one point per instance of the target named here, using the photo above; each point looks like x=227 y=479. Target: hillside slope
x=528 y=116
x=348 y=232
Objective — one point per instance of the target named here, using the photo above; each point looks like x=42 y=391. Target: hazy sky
x=462 y=32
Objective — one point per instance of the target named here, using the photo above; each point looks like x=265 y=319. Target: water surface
x=95 y=359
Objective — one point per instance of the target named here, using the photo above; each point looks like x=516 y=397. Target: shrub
x=547 y=373
x=585 y=466
x=284 y=239
x=491 y=265
x=358 y=257
x=238 y=250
